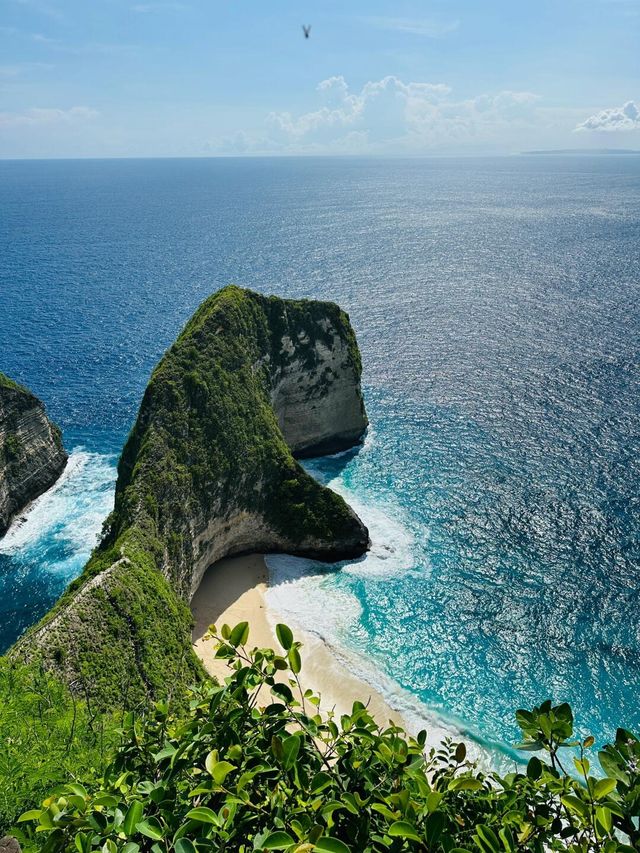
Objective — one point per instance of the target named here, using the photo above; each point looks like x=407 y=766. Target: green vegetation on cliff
x=206 y=471
x=6 y=382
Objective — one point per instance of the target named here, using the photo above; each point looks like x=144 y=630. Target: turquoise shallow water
x=497 y=306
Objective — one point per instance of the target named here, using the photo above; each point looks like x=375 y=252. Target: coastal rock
x=31 y=453
x=9 y=844
x=208 y=471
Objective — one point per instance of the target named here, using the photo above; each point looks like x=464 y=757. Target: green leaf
x=603 y=788
x=465 y=783
x=290 y=750
x=132 y=817
x=277 y=841
x=534 y=768
x=32 y=814
x=331 y=845
x=184 y=845
x=460 y=753
x=320 y=782
x=283 y=692
x=203 y=815
x=576 y=805
x=220 y=770
x=151 y=828
x=486 y=839
x=294 y=660
x=239 y=635
x=403 y=829
x=582 y=765
x=506 y=837
x=211 y=760
x=79 y=790
x=434 y=826
x=613 y=767
x=284 y=635
x=605 y=818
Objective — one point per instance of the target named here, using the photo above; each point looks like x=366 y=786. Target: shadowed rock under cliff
x=31 y=453
x=208 y=471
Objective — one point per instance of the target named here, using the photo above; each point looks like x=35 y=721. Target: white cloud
x=429 y=27
x=39 y=117
x=626 y=117
x=390 y=114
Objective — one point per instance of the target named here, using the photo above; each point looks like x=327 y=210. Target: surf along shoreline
x=234 y=590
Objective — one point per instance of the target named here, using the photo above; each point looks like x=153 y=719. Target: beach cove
x=235 y=590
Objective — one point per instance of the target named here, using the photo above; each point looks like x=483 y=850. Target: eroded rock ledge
x=209 y=471
x=31 y=453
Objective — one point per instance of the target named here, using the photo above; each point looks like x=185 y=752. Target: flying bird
x=306 y=30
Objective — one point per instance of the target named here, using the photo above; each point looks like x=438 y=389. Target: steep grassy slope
x=207 y=472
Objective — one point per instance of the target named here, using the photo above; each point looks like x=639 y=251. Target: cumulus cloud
x=626 y=117
x=390 y=114
x=39 y=117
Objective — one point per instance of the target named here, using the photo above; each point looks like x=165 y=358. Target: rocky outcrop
x=31 y=453
x=209 y=471
x=8 y=844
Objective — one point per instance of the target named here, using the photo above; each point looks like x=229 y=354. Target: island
x=208 y=471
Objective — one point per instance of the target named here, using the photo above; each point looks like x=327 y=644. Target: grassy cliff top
x=6 y=382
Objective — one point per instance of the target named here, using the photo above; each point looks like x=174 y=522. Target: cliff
x=209 y=471
x=31 y=453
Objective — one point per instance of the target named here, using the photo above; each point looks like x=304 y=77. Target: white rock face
x=31 y=453
x=320 y=408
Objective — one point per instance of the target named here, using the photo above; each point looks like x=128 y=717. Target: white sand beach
x=233 y=591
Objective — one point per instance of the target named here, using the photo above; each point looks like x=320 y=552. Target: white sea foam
x=68 y=517
x=304 y=594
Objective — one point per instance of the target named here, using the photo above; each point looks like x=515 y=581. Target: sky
x=156 y=78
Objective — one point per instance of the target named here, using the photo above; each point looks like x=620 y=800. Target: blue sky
x=207 y=77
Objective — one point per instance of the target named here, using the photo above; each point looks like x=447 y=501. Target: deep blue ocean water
x=497 y=306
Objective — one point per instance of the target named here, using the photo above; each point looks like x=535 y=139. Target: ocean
x=497 y=307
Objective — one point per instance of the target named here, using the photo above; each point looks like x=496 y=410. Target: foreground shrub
x=255 y=766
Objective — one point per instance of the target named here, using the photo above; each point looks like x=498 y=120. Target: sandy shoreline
x=233 y=591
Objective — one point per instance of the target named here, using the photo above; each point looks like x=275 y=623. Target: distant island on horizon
x=584 y=151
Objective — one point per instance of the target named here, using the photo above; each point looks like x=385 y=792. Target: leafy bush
x=255 y=766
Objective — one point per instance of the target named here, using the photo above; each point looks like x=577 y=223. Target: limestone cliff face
x=209 y=471
x=319 y=406
x=31 y=453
